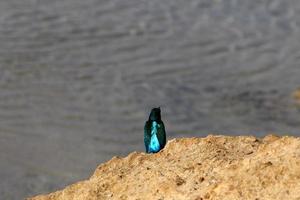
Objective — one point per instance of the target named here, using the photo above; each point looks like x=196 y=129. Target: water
x=78 y=79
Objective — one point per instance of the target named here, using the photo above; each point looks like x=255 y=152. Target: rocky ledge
x=215 y=167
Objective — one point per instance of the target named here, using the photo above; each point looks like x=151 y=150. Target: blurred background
x=79 y=78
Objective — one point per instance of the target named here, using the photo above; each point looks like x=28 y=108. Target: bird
x=154 y=132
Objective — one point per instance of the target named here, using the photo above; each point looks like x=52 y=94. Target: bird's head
x=155 y=114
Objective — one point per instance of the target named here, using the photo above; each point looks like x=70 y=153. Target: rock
x=296 y=96
x=215 y=167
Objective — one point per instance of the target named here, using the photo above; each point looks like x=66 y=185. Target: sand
x=215 y=167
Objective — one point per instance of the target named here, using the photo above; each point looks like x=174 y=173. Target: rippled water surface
x=78 y=78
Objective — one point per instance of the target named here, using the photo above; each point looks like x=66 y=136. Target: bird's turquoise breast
x=154 y=145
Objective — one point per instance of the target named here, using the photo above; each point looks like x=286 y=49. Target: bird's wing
x=161 y=134
x=147 y=134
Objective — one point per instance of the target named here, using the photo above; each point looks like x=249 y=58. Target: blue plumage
x=154 y=132
x=154 y=145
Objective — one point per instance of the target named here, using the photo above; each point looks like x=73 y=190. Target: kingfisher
x=154 y=132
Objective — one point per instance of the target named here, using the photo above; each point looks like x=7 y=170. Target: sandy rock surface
x=215 y=167
x=296 y=96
